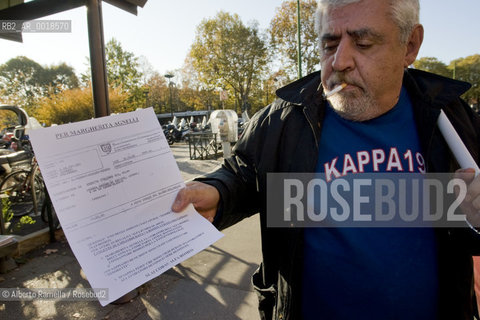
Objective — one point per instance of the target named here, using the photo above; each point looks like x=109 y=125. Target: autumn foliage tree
x=75 y=105
x=230 y=55
x=283 y=36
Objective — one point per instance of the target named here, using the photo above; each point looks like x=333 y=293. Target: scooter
x=174 y=135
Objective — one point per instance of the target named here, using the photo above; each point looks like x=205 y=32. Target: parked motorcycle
x=175 y=135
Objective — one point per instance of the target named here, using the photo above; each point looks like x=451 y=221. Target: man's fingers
x=181 y=201
x=204 y=198
x=471 y=203
x=466 y=175
x=473 y=192
x=476 y=203
x=185 y=196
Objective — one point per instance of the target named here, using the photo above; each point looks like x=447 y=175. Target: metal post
x=2 y=223
x=145 y=92
x=169 y=76
x=266 y=84
x=49 y=206
x=97 y=58
x=454 y=69
x=171 y=104
x=299 y=54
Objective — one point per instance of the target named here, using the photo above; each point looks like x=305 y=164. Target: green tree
x=283 y=36
x=60 y=77
x=122 y=66
x=230 y=55
x=433 y=65
x=20 y=80
x=123 y=72
x=23 y=81
x=468 y=69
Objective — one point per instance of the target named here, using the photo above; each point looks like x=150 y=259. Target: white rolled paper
x=456 y=145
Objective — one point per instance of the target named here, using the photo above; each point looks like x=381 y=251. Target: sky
x=163 y=31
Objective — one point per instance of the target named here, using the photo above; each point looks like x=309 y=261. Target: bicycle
x=25 y=190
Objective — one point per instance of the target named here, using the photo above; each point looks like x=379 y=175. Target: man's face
x=361 y=46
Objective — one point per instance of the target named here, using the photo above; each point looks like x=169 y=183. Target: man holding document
x=366 y=112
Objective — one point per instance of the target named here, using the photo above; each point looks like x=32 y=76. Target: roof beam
x=124 y=5
x=139 y=3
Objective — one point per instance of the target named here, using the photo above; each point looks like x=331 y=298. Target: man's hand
x=471 y=205
x=204 y=198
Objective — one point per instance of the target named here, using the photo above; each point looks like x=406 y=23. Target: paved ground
x=214 y=284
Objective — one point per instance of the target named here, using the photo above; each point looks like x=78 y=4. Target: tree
x=20 y=80
x=146 y=69
x=468 y=69
x=228 y=54
x=432 y=64
x=59 y=78
x=76 y=105
x=193 y=92
x=283 y=36
x=23 y=81
x=122 y=73
x=157 y=92
x=122 y=67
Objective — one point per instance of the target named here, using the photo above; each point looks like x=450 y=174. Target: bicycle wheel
x=37 y=190
x=16 y=187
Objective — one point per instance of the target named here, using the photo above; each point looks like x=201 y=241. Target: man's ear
x=413 y=45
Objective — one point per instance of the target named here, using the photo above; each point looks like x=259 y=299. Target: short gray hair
x=405 y=14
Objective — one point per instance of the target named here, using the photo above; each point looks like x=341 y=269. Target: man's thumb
x=180 y=201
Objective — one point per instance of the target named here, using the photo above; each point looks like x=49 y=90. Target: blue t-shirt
x=370 y=273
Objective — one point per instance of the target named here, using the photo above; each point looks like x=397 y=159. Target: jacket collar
x=431 y=87
x=301 y=91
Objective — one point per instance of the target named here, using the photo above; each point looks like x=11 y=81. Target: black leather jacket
x=284 y=137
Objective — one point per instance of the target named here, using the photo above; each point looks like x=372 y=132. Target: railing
x=202 y=145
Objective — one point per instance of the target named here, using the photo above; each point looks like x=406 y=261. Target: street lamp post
x=145 y=92
x=266 y=85
x=299 y=41
x=169 y=76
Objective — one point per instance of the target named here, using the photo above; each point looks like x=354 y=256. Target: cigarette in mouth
x=335 y=90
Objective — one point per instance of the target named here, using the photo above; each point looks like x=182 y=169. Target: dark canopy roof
x=18 y=10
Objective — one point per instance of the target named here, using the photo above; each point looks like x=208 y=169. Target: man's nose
x=343 y=59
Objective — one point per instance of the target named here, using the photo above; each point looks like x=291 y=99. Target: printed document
x=112 y=181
